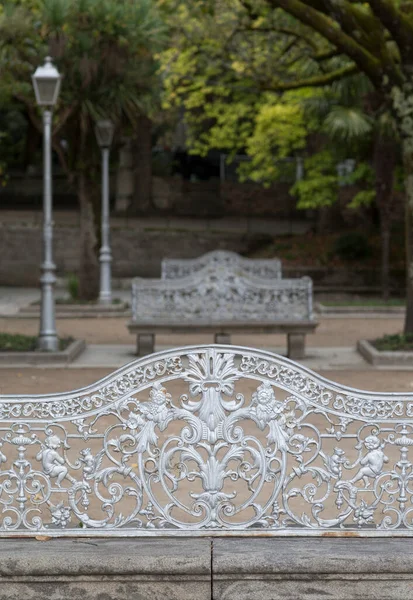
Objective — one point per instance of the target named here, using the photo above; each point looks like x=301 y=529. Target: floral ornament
x=269 y=411
x=60 y=515
x=149 y=415
x=212 y=376
x=211 y=369
x=363 y=514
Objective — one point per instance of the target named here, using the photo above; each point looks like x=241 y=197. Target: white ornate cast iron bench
x=221 y=301
x=193 y=448
x=173 y=268
x=209 y=440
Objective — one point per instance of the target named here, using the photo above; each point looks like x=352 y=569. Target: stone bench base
x=295 y=331
x=244 y=568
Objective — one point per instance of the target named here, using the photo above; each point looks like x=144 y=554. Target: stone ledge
x=186 y=569
x=97 y=557
x=69 y=311
x=307 y=556
x=380 y=358
x=313 y=569
x=64 y=357
x=92 y=569
x=205 y=569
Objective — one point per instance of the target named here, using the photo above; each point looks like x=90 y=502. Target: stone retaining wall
x=135 y=251
x=207 y=569
x=138 y=247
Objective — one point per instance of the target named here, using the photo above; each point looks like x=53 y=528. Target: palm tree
x=357 y=119
x=105 y=51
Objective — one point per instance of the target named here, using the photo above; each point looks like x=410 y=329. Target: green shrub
x=392 y=343
x=14 y=342
x=73 y=286
x=352 y=246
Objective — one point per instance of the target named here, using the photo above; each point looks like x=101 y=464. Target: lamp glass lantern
x=104 y=132
x=46 y=83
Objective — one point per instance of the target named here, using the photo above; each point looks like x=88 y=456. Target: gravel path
x=332 y=332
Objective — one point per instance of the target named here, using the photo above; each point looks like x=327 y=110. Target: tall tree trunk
x=384 y=160
x=408 y=169
x=89 y=241
x=385 y=256
x=142 y=152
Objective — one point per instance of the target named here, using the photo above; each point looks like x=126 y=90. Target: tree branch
x=400 y=28
x=329 y=29
x=322 y=56
x=316 y=81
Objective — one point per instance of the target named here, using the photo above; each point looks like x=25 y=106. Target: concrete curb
x=322 y=309
x=21 y=359
x=381 y=358
x=80 y=311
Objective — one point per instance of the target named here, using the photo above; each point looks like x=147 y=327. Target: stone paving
x=331 y=350
x=332 y=332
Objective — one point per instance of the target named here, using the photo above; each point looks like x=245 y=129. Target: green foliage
x=73 y=286
x=364 y=176
x=279 y=131
x=10 y=342
x=394 y=343
x=319 y=186
x=105 y=51
x=352 y=246
x=347 y=123
x=221 y=67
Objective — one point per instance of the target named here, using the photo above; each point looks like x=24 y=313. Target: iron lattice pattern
x=207 y=440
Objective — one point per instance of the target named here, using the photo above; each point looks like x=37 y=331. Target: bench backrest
x=213 y=440
x=173 y=268
x=215 y=295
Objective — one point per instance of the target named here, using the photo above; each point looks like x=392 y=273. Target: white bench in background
x=173 y=268
x=218 y=300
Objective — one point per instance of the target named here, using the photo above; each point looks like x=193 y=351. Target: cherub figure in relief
x=53 y=463
x=372 y=463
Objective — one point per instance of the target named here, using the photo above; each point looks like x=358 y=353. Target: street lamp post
x=46 y=83
x=104 y=135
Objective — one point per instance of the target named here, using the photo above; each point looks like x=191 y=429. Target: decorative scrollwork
x=173 y=268
x=207 y=439
x=221 y=293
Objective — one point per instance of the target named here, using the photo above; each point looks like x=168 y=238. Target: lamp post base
x=105 y=298
x=48 y=343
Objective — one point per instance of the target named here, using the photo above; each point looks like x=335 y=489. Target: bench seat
x=295 y=330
